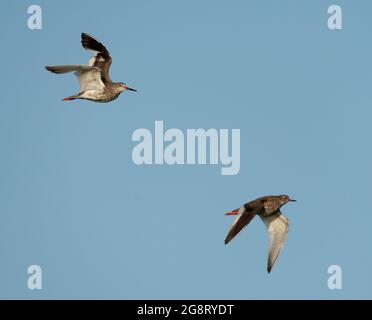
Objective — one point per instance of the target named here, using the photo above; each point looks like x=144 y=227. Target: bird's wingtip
x=85 y=34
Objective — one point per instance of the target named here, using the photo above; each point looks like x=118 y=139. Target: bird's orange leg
x=233 y=213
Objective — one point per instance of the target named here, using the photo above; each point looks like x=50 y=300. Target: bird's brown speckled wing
x=277 y=226
x=240 y=222
x=101 y=59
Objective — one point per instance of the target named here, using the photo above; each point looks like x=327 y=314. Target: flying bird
x=94 y=78
x=268 y=208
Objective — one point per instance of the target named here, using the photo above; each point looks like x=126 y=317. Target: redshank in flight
x=268 y=208
x=95 y=82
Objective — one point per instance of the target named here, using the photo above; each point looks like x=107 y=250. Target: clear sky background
x=73 y=202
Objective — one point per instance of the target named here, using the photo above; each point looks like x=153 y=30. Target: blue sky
x=73 y=202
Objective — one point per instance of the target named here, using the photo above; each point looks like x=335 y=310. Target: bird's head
x=283 y=199
x=122 y=87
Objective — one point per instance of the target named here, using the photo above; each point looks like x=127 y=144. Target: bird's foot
x=68 y=99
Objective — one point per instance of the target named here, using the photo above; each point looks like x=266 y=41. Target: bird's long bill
x=131 y=89
x=292 y=200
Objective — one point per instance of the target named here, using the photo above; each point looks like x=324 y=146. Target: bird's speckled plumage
x=94 y=78
x=268 y=208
